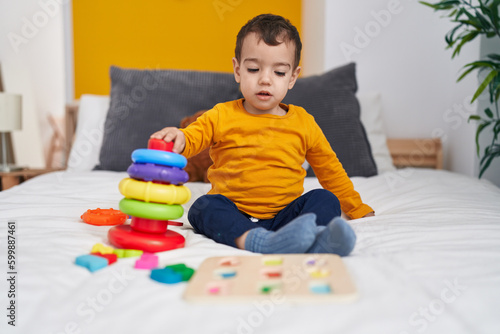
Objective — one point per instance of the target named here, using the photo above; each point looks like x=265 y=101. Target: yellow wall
x=166 y=34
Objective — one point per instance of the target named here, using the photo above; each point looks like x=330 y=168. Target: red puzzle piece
x=110 y=257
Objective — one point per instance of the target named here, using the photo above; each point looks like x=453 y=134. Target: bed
x=428 y=262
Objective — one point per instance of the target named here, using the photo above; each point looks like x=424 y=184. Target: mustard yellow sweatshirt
x=258 y=158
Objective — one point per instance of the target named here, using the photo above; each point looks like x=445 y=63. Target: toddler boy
x=258 y=146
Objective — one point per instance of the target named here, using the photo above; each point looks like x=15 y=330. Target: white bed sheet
x=429 y=262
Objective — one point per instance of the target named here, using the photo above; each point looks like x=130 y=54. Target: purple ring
x=152 y=172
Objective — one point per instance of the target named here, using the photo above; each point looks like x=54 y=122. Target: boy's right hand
x=172 y=134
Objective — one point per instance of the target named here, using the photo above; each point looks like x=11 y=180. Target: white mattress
x=429 y=262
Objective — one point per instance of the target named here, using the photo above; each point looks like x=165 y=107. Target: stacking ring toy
x=160 y=144
x=150 y=210
x=143 y=155
x=151 y=172
x=152 y=225
x=154 y=192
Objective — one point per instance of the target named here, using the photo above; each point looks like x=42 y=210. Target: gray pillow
x=331 y=99
x=145 y=101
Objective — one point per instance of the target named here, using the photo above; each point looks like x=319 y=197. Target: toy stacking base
x=152 y=236
x=152 y=204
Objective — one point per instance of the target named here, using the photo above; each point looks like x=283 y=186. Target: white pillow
x=84 y=155
x=371 y=117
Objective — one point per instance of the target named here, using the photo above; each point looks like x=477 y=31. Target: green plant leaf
x=450 y=35
x=482 y=63
x=494 y=87
x=486 y=154
x=493 y=152
x=466 y=38
x=459 y=13
x=472 y=68
x=493 y=149
x=485 y=165
x=484 y=84
x=488 y=112
x=480 y=128
x=443 y=5
x=477 y=20
x=428 y=4
x=450 y=2
x=474 y=118
x=496 y=130
x=493 y=14
x=488 y=151
x=475 y=23
x=494 y=56
x=483 y=21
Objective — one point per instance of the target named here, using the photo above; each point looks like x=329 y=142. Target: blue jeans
x=219 y=219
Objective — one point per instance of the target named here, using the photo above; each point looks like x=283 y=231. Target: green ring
x=145 y=210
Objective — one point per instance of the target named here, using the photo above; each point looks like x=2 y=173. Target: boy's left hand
x=369 y=214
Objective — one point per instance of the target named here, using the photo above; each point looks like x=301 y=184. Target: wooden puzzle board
x=289 y=277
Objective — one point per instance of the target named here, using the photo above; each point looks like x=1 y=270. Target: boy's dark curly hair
x=273 y=30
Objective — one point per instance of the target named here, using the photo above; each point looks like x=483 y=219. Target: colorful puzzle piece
x=147 y=261
x=225 y=273
x=110 y=257
x=229 y=262
x=320 y=288
x=100 y=248
x=272 y=260
x=102 y=256
x=267 y=288
x=172 y=274
x=217 y=288
x=186 y=274
x=182 y=269
x=91 y=262
x=166 y=275
x=271 y=273
x=127 y=252
x=176 y=267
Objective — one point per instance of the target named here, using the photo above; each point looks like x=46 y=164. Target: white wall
x=399 y=49
x=32 y=60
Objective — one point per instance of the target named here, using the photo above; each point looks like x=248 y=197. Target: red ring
x=151 y=225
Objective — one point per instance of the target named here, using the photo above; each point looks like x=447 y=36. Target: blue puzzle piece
x=166 y=275
x=91 y=262
x=320 y=288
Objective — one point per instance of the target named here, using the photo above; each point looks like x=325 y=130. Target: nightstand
x=11 y=179
x=413 y=152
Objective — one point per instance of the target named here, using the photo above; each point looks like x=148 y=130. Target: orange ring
x=104 y=217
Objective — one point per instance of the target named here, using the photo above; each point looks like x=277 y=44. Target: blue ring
x=144 y=155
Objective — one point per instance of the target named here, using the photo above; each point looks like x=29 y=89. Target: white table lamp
x=10 y=120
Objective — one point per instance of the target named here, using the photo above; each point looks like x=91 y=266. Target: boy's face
x=265 y=74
